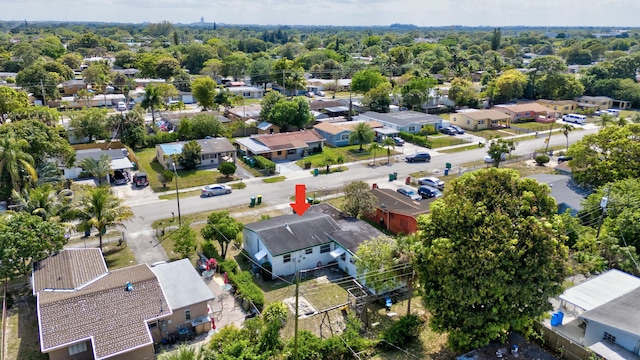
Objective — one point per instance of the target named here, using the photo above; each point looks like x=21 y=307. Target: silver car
x=432 y=181
x=410 y=193
x=216 y=189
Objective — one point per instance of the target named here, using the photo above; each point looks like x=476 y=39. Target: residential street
x=149 y=209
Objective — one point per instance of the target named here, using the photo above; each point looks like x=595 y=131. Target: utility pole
x=44 y=97
x=295 y=328
x=549 y=138
x=603 y=205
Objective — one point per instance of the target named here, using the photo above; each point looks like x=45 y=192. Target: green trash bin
x=391 y=177
x=309 y=200
x=259 y=199
x=253 y=201
x=316 y=172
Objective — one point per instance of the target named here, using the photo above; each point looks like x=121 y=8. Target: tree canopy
x=358 y=199
x=489 y=256
x=222 y=228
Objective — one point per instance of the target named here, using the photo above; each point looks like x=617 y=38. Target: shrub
x=209 y=250
x=160 y=138
x=403 y=331
x=542 y=159
x=264 y=163
x=229 y=266
x=246 y=288
x=417 y=139
x=227 y=168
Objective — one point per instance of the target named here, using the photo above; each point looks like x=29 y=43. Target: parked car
x=140 y=179
x=564 y=158
x=310 y=94
x=600 y=112
x=457 y=128
x=448 y=130
x=488 y=159
x=131 y=105
x=122 y=106
x=428 y=192
x=419 y=156
x=410 y=193
x=320 y=93
x=215 y=189
x=120 y=177
x=432 y=181
x=399 y=141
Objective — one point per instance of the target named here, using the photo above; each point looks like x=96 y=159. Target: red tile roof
x=290 y=140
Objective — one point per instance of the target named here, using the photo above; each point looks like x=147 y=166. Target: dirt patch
x=22 y=330
x=304 y=306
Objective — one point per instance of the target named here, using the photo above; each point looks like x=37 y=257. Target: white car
x=122 y=106
x=432 y=181
x=215 y=189
x=489 y=160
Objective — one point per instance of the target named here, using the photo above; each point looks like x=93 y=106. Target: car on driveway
x=564 y=158
x=428 y=192
x=399 y=141
x=432 y=181
x=419 y=156
x=140 y=179
x=448 y=130
x=410 y=193
x=215 y=189
x=457 y=128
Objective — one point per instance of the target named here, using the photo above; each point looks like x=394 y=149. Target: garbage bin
x=446 y=172
x=391 y=177
x=447 y=165
x=259 y=199
x=183 y=334
x=407 y=181
x=395 y=176
x=309 y=200
x=315 y=172
x=135 y=166
x=253 y=201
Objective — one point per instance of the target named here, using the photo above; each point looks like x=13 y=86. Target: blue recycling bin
x=446 y=172
x=316 y=172
x=556 y=318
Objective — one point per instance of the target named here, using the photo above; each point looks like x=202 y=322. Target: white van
x=575 y=118
x=614 y=112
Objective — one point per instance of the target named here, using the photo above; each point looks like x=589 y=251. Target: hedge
x=417 y=139
x=246 y=288
x=160 y=138
x=264 y=163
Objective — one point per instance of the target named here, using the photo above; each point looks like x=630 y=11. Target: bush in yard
x=403 y=331
x=209 y=250
x=227 y=169
x=229 y=266
x=542 y=159
x=246 y=288
x=264 y=163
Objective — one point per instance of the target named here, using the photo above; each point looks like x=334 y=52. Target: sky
x=564 y=13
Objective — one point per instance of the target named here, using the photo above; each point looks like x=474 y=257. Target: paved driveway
x=284 y=167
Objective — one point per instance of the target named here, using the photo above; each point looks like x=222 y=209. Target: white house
x=119 y=161
x=247 y=92
x=407 y=121
x=322 y=236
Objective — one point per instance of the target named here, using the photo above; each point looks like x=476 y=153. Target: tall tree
x=222 y=228
x=499 y=148
x=91 y=123
x=16 y=165
x=494 y=238
x=365 y=80
x=378 y=99
x=184 y=243
x=388 y=143
x=99 y=208
x=152 y=99
x=204 y=90
x=377 y=264
x=43 y=201
x=566 y=129
x=495 y=39
x=190 y=156
x=268 y=102
x=361 y=134
x=11 y=100
x=97 y=168
x=358 y=199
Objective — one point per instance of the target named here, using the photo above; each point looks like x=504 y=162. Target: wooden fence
x=564 y=346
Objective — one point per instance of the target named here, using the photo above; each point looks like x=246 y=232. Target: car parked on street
x=489 y=160
x=215 y=189
x=432 y=181
x=419 y=156
x=410 y=193
x=449 y=130
x=564 y=158
x=428 y=192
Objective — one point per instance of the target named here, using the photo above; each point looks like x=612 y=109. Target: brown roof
x=68 y=270
x=114 y=319
x=323 y=104
x=395 y=202
x=336 y=128
x=555 y=102
x=535 y=107
x=485 y=114
x=290 y=140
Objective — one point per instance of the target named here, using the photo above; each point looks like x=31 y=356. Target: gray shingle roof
x=621 y=313
x=404 y=118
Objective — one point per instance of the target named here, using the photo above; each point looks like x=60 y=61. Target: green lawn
x=489 y=133
x=186 y=178
x=535 y=126
x=118 y=257
x=350 y=153
x=274 y=179
x=445 y=140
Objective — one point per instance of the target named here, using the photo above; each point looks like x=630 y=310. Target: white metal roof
x=261 y=254
x=181 y=284
x=337 y=252
x=120 y=164
x=253 y=145
x=601 y=289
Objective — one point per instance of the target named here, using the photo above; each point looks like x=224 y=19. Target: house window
x=153 y=325
x=279 y=152
x=325 y=248
x=187 y=314
x=480 y=122
x=286 y=258
x=412 y=128
x=609 y=337
x=77 y=348
x=468 y=122
x=308 y=251
x=566 y=108
x=246 y=95
x=291 y=152
x=344 y=137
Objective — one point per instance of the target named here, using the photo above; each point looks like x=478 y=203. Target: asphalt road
x=146 y=249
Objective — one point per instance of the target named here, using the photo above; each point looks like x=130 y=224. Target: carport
x=122 y=164
x=383 y=133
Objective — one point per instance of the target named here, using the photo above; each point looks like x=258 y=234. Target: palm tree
x=340 y=160
x=389 y=143
x=99 y=208
x=44 y=201
x=566 y=129
x=184 y=353
x=98 y=169
x=622 y=121
x=16 y=165
x=605 y=119
x=361 y=134
x=373 y=149
x=151 y=100
x=48 y=173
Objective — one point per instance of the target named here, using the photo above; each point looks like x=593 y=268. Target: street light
x=177 y=193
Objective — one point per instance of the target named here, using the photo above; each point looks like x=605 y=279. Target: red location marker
x=300 y=206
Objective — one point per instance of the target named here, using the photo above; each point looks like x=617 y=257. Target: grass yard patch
x=442 y=141
x=22 y=331
x=274 y=179
x=118 y=256
x=184 y=194
x=532 y=125
x=349 y=153
x=490 y=133
x=458 y=149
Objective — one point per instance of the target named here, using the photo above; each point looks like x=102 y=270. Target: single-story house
x=561 y=107
x=527 y=112
x=100 y=100
x=406 y=121
x=337 y=133
x=601 y=314
x=71 y=87
x=321 y=105
x=130 y=73
x=282 y=146
x=214 y=151
x=321 y=236
x=602 y=103
x=6 y=75
x=396 y=212
x=247 y=92
x=568 y=194
x=244 y=112
x=119 y=161
x=315 y=85
x=86 y=311
x=473 y=119
x=146 y=82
